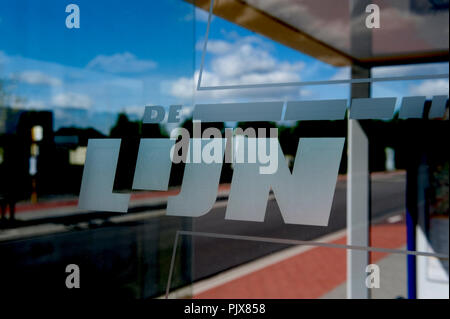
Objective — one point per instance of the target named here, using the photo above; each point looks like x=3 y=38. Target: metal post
x=358 y=177
x=357 y=210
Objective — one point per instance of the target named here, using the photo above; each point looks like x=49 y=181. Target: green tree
x=124 y=127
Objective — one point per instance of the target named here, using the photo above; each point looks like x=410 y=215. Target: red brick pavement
x=310 y=274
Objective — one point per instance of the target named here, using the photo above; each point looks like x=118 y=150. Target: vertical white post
x=357 y=210
x=358 y=178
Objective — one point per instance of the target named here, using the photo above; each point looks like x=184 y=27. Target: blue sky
x=124 y=57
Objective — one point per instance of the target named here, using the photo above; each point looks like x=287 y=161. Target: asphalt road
x=130 y=259
x=213 y=255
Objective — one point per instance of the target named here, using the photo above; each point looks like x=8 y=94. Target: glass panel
x=138 y=143
x=69 y=75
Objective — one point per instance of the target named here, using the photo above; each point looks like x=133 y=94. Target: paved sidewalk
x=313 y=272
x=57 y=216
x=69 y=206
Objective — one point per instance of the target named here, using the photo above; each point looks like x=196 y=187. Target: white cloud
x=412 y=69
x=15 y=101
x=430 y=87
x=341 y=74
x=72 y=100
x=121 y=63
x=215 y=46
x=106 y=91
x=35 y=104
x=183 y=87
x=246 y=60
x=401 y=70
x=188 y=17
x=135 y=111
x=3 y=57
x=233 y=41
x=201 y=15
x=36 y=78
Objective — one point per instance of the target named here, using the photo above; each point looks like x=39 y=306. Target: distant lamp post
x=37 y=134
